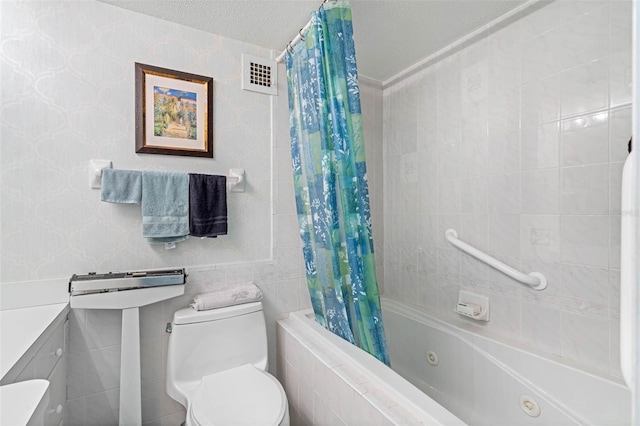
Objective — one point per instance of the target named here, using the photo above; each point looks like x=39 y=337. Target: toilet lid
x=240 y=396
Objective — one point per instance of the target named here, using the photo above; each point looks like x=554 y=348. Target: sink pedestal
x=129 y=301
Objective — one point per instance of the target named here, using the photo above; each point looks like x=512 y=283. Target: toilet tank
x=206 y=342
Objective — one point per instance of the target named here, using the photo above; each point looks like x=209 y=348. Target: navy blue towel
x=207 y=205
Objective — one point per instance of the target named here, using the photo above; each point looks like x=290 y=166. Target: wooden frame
x=174 y=112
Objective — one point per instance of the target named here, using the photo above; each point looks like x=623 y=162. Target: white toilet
x=216 y=368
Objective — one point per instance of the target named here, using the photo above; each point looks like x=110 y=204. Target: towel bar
x=235 y=177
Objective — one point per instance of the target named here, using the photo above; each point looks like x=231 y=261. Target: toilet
x=216 y=368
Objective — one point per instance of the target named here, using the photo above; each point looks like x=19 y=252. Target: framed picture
x=174 y=112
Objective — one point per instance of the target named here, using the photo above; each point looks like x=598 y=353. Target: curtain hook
x=289 y=48
x=300 y=34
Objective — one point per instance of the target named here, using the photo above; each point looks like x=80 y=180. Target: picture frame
x=174 y=112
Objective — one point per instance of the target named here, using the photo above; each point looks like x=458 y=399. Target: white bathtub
x=478 y=380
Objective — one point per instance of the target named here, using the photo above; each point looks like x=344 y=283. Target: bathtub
x=442 y=374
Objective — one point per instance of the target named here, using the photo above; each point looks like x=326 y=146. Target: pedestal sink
x=127 y=291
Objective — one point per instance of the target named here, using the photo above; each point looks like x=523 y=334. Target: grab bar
x=535 y=280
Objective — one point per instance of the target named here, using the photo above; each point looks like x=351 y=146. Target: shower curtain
x=330 y=180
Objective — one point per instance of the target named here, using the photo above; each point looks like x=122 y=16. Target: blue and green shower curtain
x=330 y=180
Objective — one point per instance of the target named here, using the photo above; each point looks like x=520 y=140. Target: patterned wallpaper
x=68 y=96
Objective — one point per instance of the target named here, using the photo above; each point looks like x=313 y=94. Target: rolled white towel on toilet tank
x=235 y=294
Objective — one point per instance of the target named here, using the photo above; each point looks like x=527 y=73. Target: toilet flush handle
x=168 y=328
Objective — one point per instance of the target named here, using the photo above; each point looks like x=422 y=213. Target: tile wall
x=517 y=141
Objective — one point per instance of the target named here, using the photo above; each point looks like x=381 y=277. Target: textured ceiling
x=391 y=35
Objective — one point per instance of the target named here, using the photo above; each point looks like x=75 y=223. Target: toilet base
x=190 y=421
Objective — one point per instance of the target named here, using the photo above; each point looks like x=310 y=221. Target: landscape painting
x=174 y=112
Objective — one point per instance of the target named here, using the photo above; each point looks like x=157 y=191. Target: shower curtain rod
x=297 y=38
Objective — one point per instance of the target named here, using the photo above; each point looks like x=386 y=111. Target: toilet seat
x=240 y=396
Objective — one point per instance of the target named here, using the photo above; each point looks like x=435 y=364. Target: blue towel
x=121 y=186
x=207 y=205
x=165 y=206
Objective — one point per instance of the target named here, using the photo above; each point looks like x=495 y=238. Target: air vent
x=259 y=75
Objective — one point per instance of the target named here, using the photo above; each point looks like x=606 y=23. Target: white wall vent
x=259 y=75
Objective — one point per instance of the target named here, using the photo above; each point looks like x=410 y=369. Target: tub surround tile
x=504 y=193
x=615 y=189
x=540 y=102
x=506 y=317
x=474 y=155
x=540 y=146
x=585 y=139
x=586 y=284
x=500 y=283
x=620 y=76
x=586 y=340
x=474 y=193
x=474 y=229
x=614 y=355
x=504 y=98
x=449 y=196
x=504 y=152
x=540 y=191
x=584 y=240
x=585 y=189
x=448 y=164
x=585 y=88
x=614 y=294
x=540 y=328
x=449 y=264
x=445 y=222
x=540 y=236
x=540 y=156
x=502 y=229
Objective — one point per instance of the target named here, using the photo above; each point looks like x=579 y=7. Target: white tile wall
x=521 y=138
